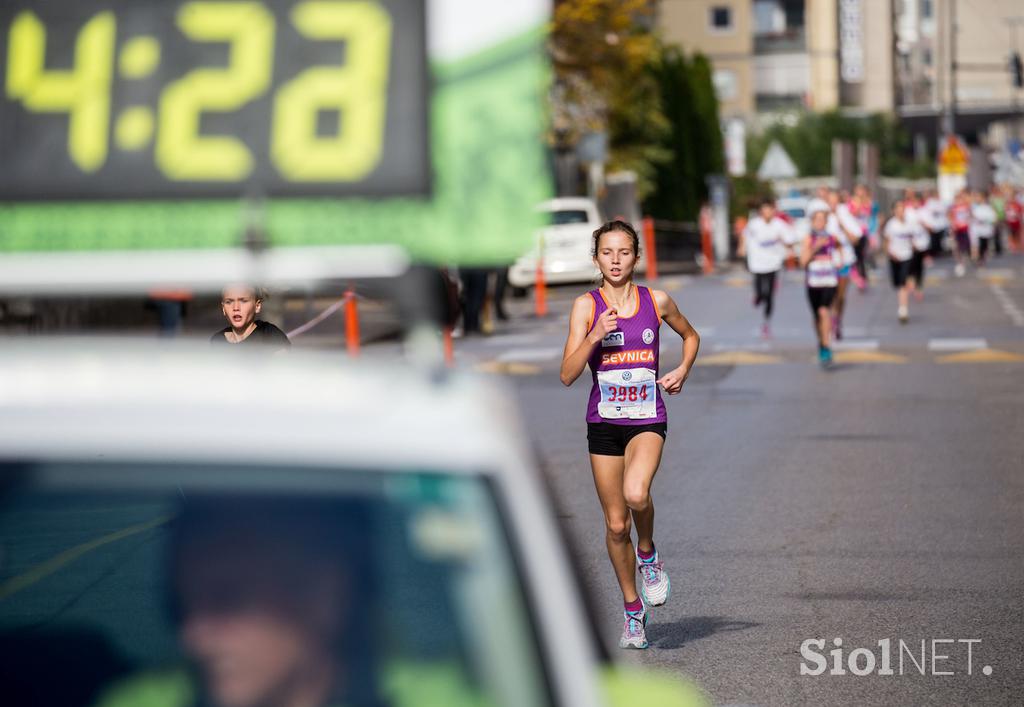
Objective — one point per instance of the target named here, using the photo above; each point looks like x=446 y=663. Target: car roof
x=785 y=201
x=566 y=203
x=78 y=399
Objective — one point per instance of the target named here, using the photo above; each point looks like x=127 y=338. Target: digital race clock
x=144 y=99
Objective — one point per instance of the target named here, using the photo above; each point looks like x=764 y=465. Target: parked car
x=565 y=245
x=176 y=525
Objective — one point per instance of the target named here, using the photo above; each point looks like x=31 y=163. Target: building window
x=926 y=9
x=724 y=82
x=720 y=18
x=926 y=57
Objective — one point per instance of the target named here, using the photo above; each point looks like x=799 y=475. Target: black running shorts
x=611 y=440
x=899 y=270
x=820 y=297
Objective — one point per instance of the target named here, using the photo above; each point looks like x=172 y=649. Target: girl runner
x=960 y=223
x=1014 y=217
x=845 y=228
x=860 y=207
x=922 y=242
x=983 y=225
x=899 y=244
x=614 y=329
x=818 y=255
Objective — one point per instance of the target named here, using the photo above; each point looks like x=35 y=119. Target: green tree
x=602 y=52
x=694 y=138
x=710 y=152
x=809 y=143
x=677 y=193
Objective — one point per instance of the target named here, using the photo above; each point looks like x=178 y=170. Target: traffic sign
x=954 y=157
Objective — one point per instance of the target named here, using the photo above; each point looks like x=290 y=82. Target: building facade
x=773 y=56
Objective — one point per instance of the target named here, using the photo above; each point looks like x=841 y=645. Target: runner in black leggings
x=763 y=242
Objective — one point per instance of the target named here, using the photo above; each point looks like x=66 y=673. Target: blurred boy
x=241 y=304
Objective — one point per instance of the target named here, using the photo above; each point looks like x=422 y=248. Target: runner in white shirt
x=983 y=225
x=899 y=244
x=765 y=241
x=933 y=216
x=843 y=225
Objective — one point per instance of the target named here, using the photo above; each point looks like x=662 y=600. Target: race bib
x=821 y=273
x=628 y=393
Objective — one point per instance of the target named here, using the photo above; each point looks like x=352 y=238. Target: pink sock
x=643 y=554
x=635 y=606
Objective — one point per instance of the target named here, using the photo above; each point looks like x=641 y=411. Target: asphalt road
x=883 y=499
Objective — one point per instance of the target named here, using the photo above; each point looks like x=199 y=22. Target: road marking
x=509 y=368
x=737 y=358
x=867 y=356
x=755 y=346
x=982 y=356
x=1006 y=302
x=738 y=282
x=956 y=344
x=511 y=339
x=856 y=345
x=27 y=579
x=525 y=355
x=997 y=274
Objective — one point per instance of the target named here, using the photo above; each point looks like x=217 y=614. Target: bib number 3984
x=821 y=273
x=630 y=393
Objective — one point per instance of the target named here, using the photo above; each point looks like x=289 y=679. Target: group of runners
x=614 y=330
x=843 y=232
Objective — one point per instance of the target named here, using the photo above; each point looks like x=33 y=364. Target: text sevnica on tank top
x=624 y=366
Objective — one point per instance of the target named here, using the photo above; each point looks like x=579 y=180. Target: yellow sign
x=954 y=157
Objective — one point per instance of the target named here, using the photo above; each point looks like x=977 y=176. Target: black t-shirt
x=265 y=334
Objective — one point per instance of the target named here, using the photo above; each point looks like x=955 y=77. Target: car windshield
x=568 y=216
x=234 y=586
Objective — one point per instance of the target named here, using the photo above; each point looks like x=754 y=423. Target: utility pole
x=940 y=61
x=949 y=126
x=1014 y=22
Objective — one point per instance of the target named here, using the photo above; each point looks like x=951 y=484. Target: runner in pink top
x=615 y=329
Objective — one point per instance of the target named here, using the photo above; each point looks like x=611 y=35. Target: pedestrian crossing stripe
x=956 y=344
x=737 y=358
x=867 y=356
x=738 y=282
x=982 y=356
x=856 y=345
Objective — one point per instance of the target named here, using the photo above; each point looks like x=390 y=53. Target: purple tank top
x=624 y=366
x=821 y=270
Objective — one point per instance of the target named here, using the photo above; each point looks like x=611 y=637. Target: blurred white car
x=794 y=210
x=149 y=489
x=565 y=245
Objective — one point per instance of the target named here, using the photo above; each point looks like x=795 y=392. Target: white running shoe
x=655 y=586
x=634 y=633
x=903 y=315
x=960 y=270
